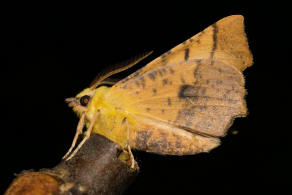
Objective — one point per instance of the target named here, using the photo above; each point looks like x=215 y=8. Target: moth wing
x=200 y=96
x=225 y=40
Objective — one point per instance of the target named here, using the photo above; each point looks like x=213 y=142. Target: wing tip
x=234 y=25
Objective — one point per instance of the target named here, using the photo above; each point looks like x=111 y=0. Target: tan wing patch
x=225 y=40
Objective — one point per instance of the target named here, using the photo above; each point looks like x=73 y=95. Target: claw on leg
x=78 y=132
x=128 y=144
x=86 y=135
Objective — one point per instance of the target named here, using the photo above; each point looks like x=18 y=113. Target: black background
x=50 y=52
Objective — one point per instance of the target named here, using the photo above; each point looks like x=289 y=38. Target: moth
x=181 y=103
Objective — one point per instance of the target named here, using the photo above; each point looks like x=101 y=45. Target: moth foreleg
x=86 y=135
x=78 y=132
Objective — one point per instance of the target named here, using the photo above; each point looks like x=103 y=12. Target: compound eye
x=84 y=100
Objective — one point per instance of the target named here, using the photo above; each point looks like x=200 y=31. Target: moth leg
x=128 y=144
x=78 y=132
x=86 y=135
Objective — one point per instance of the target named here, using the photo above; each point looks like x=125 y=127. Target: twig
x=95 y=169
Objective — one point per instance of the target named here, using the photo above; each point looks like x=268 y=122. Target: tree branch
x=95 y=169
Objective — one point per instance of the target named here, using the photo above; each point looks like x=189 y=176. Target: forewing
x=198 y=85
x=201 y=96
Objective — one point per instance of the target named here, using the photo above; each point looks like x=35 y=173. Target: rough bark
x=95 y=169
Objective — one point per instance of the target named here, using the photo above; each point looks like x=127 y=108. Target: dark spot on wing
x=162 y=110
x=148 y=109
x=151 y=75
x=168 y=101
x=214 y=47
x=196 y=71
x=190 y=91
x=154 y=91
x=187 y=53
x=181 y=92
x=164 y=82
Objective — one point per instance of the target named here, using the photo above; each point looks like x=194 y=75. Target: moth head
x=80 y=102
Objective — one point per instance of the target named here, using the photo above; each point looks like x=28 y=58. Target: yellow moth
x=181 y=103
